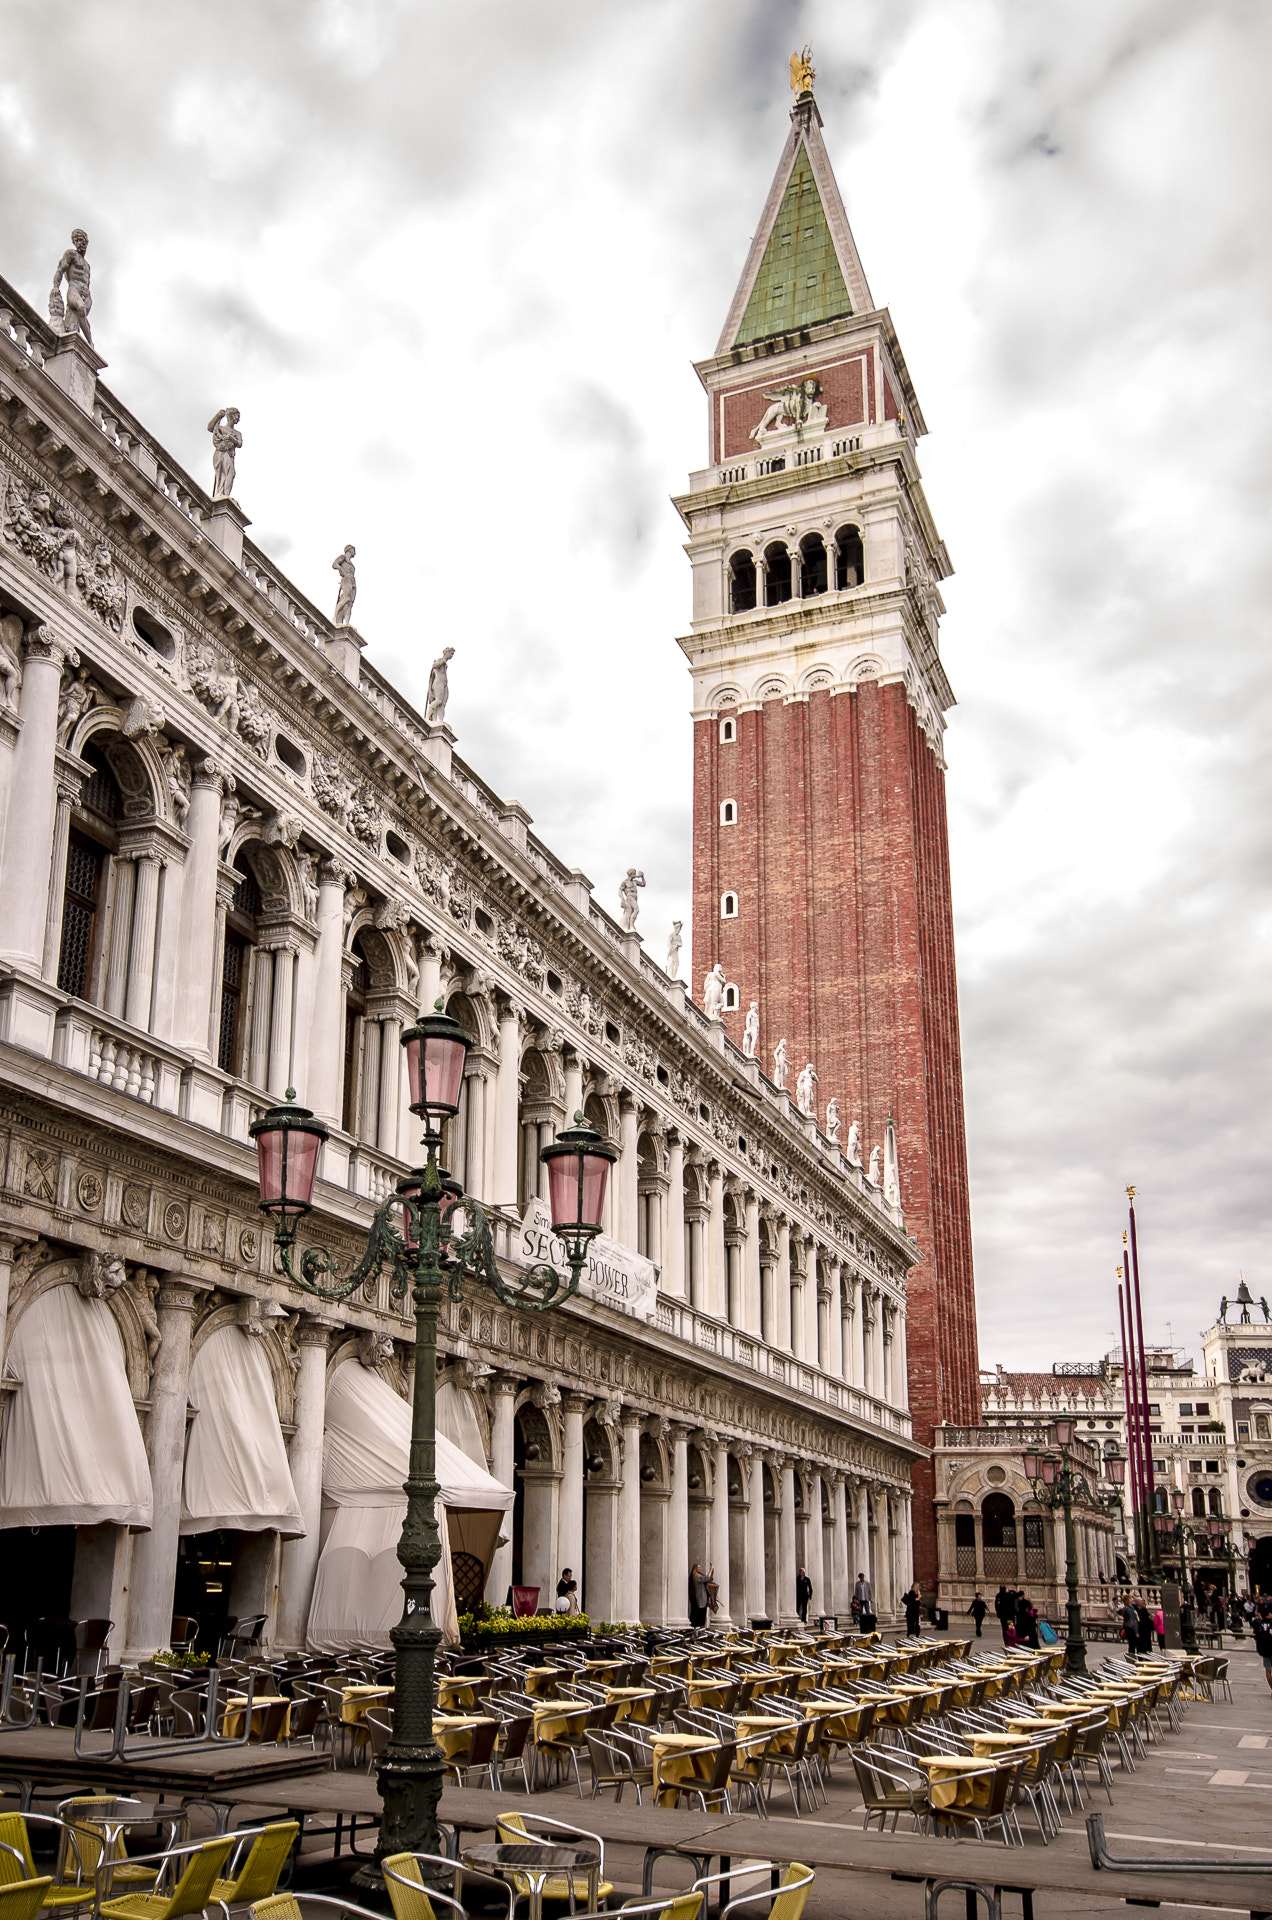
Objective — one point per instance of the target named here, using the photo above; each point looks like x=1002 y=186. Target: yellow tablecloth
x=459 y=1693
x=450 y=1729
x=1034 y=1728
x=680 y=1756
x=541 y=1680
x=555 y=1719
x=603 y=1666
x=948 y=1785
x=354 y=1702
x=633 y=1703
x=232 y=1722
x=709 y=1693
x=985 y=1746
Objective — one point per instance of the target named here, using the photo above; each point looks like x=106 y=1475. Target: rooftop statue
x=226 y=441
x=713 y=992
x=438 y=688
x=833 y=1122
x=343 y=565
x=751 y=1031
x=803 y=73
x=71 y=315
x=781 y=1066
x=629 y=898
x=805 y=1096
x=674 y=944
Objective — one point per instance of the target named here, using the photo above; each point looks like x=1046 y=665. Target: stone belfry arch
x=821 y=858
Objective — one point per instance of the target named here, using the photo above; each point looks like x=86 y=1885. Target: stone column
x=678 y=1529
x=716 y=1301
x=124 y=878
x=33 y=801
x=751 y=1309
x=627 y=1598
x=811 y=1348
x=840 y=1573
x=262 y=996
x=10 y=1245
x=280 y=1021
x=300 y=1557
x=570 y=1520
x=573 y=1064
x=67 y=793
x=768 y=1302
x=786 y=1561
x=719 y=1530
x=195 y=945
x=507 y=1104
x=390 y=1082
x=834 y=1324
x=324 y=1085
x=851 y=1338
x=503 y=1392
x=167 y=935
x=823 y=1328
x=476 y=1181
x=782 y=1289
x=876 y=1356
x=154 y=1565
x=672 y=1280
x=816 y=1547
x=141 y=971
x=627 y=1172
x=755 y=1597
x=900 y=1363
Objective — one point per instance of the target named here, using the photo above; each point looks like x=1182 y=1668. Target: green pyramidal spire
x=800 y=282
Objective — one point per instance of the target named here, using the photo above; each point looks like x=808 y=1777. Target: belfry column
x=503 y=1391
x=300 y=1557
x=678 y=1528
x=33 y=801
x=154 y=1560
x=628 y=1583
x=719 y=1535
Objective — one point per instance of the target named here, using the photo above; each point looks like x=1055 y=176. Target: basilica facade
x=235 y=860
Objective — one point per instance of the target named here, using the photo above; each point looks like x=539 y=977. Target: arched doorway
x=998 y=1534
x=1261 y=1565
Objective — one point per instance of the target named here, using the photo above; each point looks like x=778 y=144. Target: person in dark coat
x=1003 y=1608
x=978 y=1610
x=698 y=1595
x=1144 y=1628
x=911 y=1602
x=803 y=1594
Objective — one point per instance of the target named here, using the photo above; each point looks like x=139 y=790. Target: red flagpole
x=1139 y=1328
x=1134 y=1435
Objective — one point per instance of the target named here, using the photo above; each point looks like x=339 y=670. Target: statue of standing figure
x=343 y=565
x=751 y=1031
x=226 y=441
x=781 y=1066
x=674 y=944
x=832 y=1122
x=629 y=898
x=713 y=992
x=71 y=315
x=854 y=1144
x=438 y=688
x=875 y=1174
x=805 y=1097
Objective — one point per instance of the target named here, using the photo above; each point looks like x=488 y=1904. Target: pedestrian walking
x=1003 y=1608
x=803 y=1594
x=1130 y=1626
x=566 y=1593
x=863 y=1603
x=912 y=1604
x=1144 y=1622
x=978 y=1610
x=698 y=1594
x=1261 y=1627
x=1159 y=1625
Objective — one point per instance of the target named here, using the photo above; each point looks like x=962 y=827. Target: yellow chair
x=191 y=1894
x=285 y=1906
x=22 y=1899
x=690 y=1905
x=409 y=1902
x=511 y=1830
x=17 y=1867
x=258 y=1877
x=786 y=1901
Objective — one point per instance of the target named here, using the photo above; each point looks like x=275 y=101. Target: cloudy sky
x=453 y=264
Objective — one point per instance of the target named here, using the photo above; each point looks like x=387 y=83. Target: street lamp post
x=443 y=1238
x=1056 y=1483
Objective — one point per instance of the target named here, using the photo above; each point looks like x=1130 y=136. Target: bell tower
x=821 y=858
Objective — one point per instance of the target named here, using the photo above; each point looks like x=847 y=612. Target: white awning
x=366 y=1452
x=73 y=1451
x=236 y=1471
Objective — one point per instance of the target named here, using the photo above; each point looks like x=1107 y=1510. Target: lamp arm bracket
x=472 y=1255
x=383 y=1243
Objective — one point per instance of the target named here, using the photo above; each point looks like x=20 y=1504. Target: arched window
x=998 y=1532
x=240 y=940
x=850 y=558
x=728 y=906
x=728 y=732
x=728 y=813
x=94 y=839
x=777 y=575
x=539 y=1116
x=1216 y=1501
x=1198 y=1503
x=812 y=562
x=741 y=582
x=1261 y=1428
x=730 y=998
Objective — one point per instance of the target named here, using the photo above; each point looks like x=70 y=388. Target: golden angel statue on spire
x=803 y=72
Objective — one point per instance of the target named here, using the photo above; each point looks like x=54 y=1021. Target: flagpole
x=1143 y=1374
x=1134 y=1434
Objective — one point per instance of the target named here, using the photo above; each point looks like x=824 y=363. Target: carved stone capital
x=40 y=642
x=631 y=1416
x=313 y=1332
x=334 y=873
x=572 y=1402
x=206 y=773
x=503 y=1385
x=173 y=1297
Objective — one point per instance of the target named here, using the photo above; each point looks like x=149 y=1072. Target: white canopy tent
x=73 y=1451
x=366 y=1450
x=236 y=1471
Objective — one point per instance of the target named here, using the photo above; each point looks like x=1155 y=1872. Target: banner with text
x=614 y=1275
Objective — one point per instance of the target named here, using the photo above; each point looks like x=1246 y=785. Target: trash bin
x=759 y=1624
x=942 y=1620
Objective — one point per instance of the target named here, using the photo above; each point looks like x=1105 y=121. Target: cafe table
x=956 y=1780
x=708 y=1693
x=232 y=1721
x=633 y=1703
x=560 y=1719
x=532 y=1867
x=541 y=1680
x=986 y=1745
x=680 y=1756
x=458 y=1691
x=449 y=1729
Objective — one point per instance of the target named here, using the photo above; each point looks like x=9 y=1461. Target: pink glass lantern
x=578 y=1163
x=288 y=1141
x=1031 y=1466
x=436 y=1049
x=1050 y=1468
x=1064 y=1433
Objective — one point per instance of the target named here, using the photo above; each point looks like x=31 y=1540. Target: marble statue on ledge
x=832 y=1122
x=854 y=1144
x=347 y=590
x=713 y=992
x=629 y=898
x=891 y=1167
x=438 y=688
x=805 y=1094
x=781 y=1066
x=751 y=1031
x=674 y=944
x=875 y=1174
x=71 y=315
x=226 y=441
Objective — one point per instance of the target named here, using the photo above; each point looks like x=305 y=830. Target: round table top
x=118 y=1813
x=535 y=1857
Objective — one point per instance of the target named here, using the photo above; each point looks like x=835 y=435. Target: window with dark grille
x=1035 y=1547
x=84 y=864
x=469 y=1577
x=247 y=895
x=100 y=793
x=998 y=1535
x=965 y=1545
x=233 y=981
